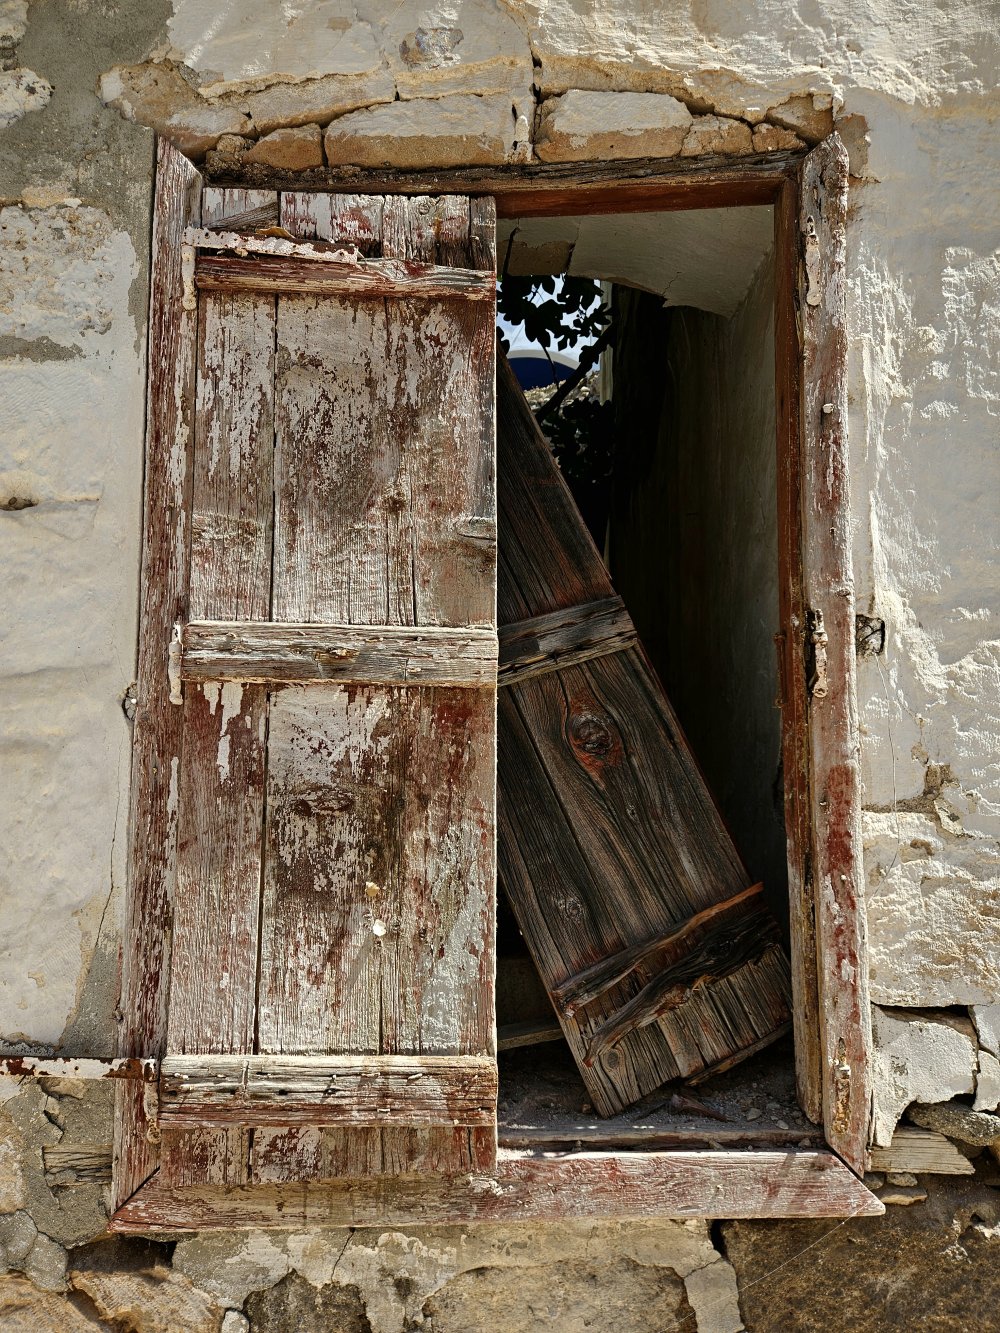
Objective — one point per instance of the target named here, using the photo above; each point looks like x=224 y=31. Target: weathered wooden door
x=656 y=949
x=331 y=976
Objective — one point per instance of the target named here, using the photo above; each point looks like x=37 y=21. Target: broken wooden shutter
x=656 y=949
x=331 y=978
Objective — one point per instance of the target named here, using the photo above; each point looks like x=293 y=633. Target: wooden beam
x=828 y=579
x=547 y=189
x=921 y=1150
x=274 y=653
x=345 y=1090
x=366 y=278
x=619 y=1186
x=157 y=743
x=561 y=638
x=790 y=646
x=641 y=1138
x=533 y=1033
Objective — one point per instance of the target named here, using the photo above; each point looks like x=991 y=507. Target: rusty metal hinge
x=841 y=1090
x=818 y=641
x=174 y=649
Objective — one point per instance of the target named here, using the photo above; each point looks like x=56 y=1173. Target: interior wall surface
x=83 y=87
x=694 y=549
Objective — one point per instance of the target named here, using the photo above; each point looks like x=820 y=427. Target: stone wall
x=911 y=90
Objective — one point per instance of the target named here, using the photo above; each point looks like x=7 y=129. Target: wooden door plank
x=158 y=724
x=617 y=1186
x=276 y=653
x=232 y=500
x=610 y=841
x=380 y=800
x=835 y=771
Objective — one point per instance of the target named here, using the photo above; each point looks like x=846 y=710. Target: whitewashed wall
x=912 y=89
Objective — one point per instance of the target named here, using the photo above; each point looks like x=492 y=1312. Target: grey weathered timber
x=622 y=1186
x=274 y=653
x=158 y=725
x=921 y=1150
x=790 y=648
x=334 y=839
x=828 y=582
x=609 y=840
x=561 y=638
x=320 y=275
x=288 y=1090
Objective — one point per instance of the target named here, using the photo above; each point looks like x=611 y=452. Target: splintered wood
x=658 y=953
x=336 y=785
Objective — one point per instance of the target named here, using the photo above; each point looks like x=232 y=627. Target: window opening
x=660 y=413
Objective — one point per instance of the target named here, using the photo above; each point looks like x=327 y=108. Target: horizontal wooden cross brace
x=268 y=652
x=345 y=1090
x=564 y=638
x=298 y=274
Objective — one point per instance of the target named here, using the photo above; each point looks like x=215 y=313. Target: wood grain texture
x=157 y=744
x=921 y=1150
x=620 y=1186
x=232 y=501
x=368 y=1090
x=545 y=189
x=379 y=876
x=349 y=654
x=319 y=275
x=790 y=647
x=834 y=740
x=609 y=839
x=561 y=638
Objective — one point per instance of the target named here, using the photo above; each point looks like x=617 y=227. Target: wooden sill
x=525 y=1187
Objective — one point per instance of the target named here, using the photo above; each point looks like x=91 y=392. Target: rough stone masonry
x=83 y=87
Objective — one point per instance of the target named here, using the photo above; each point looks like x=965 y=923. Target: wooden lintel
x=277 y=1090
x=620 y=1186
x=272 y=653
x=545 y=189
x=364 y=278
x=563 y=638
x=78 y=1067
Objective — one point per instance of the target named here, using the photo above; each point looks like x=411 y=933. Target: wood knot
x=591 y=736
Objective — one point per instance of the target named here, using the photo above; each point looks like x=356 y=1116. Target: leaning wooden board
x=655 y=947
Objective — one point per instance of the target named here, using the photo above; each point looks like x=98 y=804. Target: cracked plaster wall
x=913 y=91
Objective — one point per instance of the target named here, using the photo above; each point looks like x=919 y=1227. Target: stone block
x=986 y=1018
x=25 y=1309
x=295 y=149
x=448 y=131
x=21 y=91
x=315 y=100
x=809 y=115
x=12 y=1185
x=987 y=1083
x=716 y=134
x=773 y=139
x=589 y=126
x=958 y=1121
x=154 y=1300
x=293 y=1303
x=918 y=1057
x=158 y=96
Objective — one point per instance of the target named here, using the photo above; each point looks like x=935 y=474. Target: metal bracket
x=813 y=258
x=818 y=639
